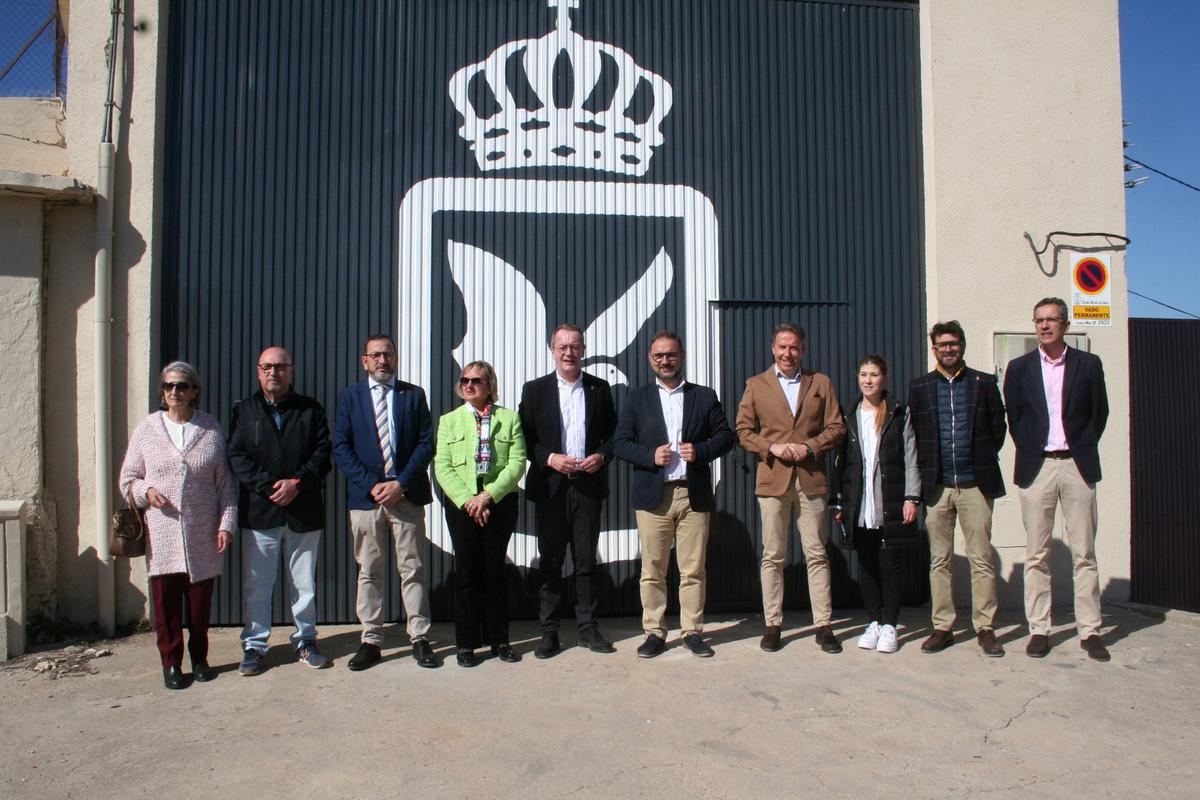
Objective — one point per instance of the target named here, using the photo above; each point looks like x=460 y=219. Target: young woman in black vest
x=875 y=487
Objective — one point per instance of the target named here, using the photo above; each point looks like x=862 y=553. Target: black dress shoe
x=1095 y=648
x=173 y=678
x=937 y=641
x=202 y=672
x=368 y=655
x=653 y=645
x=771 y=639
x=505 y=653
x=548 y=646
x=827 y=641
x=592 y=640
x=423 y=653
x=1038 y=647
x=467 y=658
x=695 y=642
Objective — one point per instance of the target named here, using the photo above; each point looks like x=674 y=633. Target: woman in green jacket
x=480 y=457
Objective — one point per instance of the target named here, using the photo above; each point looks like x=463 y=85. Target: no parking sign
x=1091 y=293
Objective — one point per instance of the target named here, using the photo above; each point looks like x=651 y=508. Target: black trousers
x=480 y=596
x=569 y=517
x=878 y=575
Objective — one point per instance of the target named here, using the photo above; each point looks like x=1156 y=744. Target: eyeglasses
x=176 y=386
x=380 y=356
x=672 y=355
x=947 y=345
x=1041 y=320
x=568 y=348
x=471 y=381
x=267 y=368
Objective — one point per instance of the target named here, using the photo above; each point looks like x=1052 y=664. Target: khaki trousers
x=808 y=511
x=1059 y=482
x=974 y=512
x=370 y=528
x=673 y=521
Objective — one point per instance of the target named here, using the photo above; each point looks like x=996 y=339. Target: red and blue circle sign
x=1091 y=276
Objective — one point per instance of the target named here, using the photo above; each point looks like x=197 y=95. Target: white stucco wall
x=32 y=135
x=1021 y=107
x=70 y=297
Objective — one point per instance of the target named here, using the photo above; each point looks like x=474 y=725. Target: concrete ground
x=745 y=724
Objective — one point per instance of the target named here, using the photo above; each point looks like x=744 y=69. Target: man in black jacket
x=671 y=431
x=1057 y=409
x=279 y=449
x=568 y=418
x=959 y=420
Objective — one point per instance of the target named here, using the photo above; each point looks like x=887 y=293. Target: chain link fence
x=33 y=49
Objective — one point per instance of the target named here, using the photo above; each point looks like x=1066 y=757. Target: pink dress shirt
x=1053 y=370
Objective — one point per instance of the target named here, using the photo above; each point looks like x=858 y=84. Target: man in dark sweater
x=959 y=421
x=279 y=449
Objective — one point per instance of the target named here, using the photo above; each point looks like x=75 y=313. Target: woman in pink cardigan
x=176 y=468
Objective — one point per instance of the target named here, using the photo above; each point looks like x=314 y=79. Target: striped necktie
x=384 y=426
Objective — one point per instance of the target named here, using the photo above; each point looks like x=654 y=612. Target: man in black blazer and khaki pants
x=671 y=431
x=1057 y=408
x=568 y=419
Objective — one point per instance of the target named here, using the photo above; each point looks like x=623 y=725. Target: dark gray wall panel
x=1164 y=545
x=297 y=129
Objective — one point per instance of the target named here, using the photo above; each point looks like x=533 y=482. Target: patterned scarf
x=483 y=450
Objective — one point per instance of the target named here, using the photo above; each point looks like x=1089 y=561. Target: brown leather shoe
x=827 y=641
x=937 y=641
x=770 y=639
x=1095 y=648
x=1038 y=647
x=988 y=644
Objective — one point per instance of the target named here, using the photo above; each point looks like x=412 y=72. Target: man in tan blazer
x=790 y=417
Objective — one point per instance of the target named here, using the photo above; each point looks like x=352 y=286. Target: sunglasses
x=472 y=381
x=178 y=386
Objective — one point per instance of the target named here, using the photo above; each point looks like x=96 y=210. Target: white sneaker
x=870 y=637
x=887 y=640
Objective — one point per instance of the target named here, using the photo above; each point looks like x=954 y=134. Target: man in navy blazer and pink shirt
x=383 y=442
x=671 y=431
x=1057 y=408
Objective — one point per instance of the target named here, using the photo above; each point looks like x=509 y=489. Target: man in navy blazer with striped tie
x=383 y=442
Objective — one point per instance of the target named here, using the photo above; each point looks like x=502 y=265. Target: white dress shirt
x=672 y=409
x=868 y=441
x=573 y=411
x=791 y=387
x=177 y=432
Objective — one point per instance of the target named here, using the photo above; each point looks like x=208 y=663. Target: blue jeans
x=260 y=557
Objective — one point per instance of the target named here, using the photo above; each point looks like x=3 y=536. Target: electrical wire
x=1144 y=165
x=1161 y=303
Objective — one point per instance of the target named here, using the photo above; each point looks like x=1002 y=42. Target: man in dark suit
x=279 y=450
x=959 y=420
x=383 y=441
x=671 y=431
x=568 y=418
x=1057 y=409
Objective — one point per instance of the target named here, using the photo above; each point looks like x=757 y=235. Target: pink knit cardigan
x=199 y=486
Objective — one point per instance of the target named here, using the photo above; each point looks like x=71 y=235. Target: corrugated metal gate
x=1164 y=547
x=469 y=173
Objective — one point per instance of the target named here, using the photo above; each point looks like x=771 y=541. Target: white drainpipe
x=106 y=595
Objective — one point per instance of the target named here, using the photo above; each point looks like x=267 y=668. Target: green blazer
x=454 y=460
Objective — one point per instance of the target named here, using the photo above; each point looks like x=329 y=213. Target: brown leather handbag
x=127 y=532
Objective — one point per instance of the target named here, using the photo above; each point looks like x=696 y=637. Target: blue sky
x=1160 y=77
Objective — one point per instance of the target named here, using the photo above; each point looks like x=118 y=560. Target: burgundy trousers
x=169 y=593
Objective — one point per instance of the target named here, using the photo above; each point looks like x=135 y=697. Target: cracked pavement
x=745 y=724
